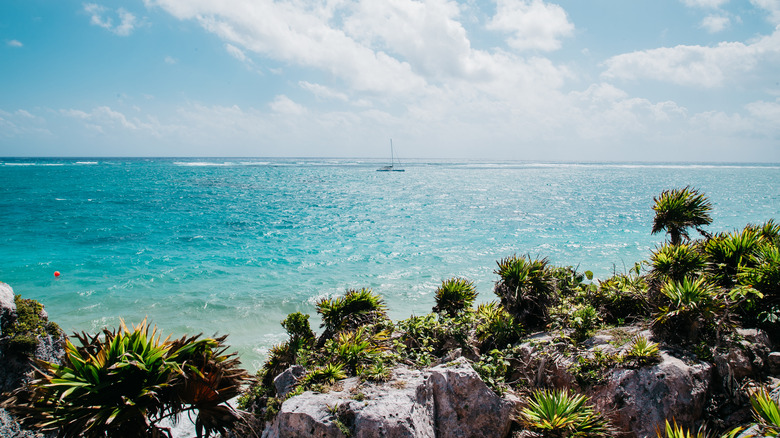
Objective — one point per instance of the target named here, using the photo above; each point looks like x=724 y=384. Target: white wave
x=86 y=162
x=201 y=163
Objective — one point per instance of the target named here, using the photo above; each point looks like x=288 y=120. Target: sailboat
x=391 y=167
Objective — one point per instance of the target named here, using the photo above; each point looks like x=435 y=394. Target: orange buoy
x=56 y=273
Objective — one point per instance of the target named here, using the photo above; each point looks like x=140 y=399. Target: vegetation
x=526 y=289
x=679 y=209
x=356 y=308
x=454 y=296
x=691 y=294
x=126 y=382
x=23 y=332
x=561 y=414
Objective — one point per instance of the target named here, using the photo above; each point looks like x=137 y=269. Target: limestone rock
x=465 y=406
x=773 y=362
x=446 y=401
x=285 y=382
x=638 y=400
x=734 y=365
x=7 y=304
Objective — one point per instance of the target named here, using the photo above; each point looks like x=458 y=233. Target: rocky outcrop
x=446 y=401
x=639 y=400
x=17 y=363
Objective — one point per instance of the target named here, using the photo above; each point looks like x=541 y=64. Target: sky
x=596 y=80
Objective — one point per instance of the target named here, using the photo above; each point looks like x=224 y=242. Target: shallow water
x=233 y=245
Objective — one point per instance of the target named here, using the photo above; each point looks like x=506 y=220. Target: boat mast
x=391 y=152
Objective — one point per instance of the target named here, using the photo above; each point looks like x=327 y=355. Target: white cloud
x=15 y=43
x=698 y=66
x=237 y=53
x=715 y=23
x=103 y=116
x=171 y=60
x=535 y=25
x=323 y=92
x=285 y=105
x=100 y=16
x=771 y=6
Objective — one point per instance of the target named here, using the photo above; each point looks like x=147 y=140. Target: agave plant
x=763 y=273
x=730 y=253
x=560 y=414
x=356 y=308
x=526 y=289
x=692 y=305
x=454 y=296
x=357 y=348
x=675 y=431
x=328 y=374
x=643 y=351
x=123 y=383
x=679 y=209
x=766 y=413
x=676 y=262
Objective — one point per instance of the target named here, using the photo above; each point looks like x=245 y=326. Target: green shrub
x=123 y=383
x=561 y=414
x=356 y=308
x=357 y=348
x=622 y=297
x=526 y=290
x=495 y=327
x=24 y=332
x=676 y=262
x=454 y=296
x=730 y=253
x=691 y=308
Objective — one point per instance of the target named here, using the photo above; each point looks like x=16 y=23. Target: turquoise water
x=233 y=245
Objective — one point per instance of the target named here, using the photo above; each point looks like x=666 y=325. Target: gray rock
x=10 y=428
x=733 y=365
x=446 y=401
x=773 y=362
x=7 y=304
x=285 y=382
x=639 y=400
x=465 y=406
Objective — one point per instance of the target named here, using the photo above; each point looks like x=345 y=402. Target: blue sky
x=599 y=80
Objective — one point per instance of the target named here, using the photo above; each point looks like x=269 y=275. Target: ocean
x=231 y=246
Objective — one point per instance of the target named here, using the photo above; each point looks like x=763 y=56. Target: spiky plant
x=691 y=306
x=496 y=328
x=123 y=383
x=454 y=296
x=560 y=414
x=676 y=262
x=376 y=372
x=766 y=413
x=730 y=253
x=677 y=210
x=526 y=289
x=355 y=308
x=328 y=374
x=674 y=430
x=763 y=273
x=356 y=348
x=643 y=351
